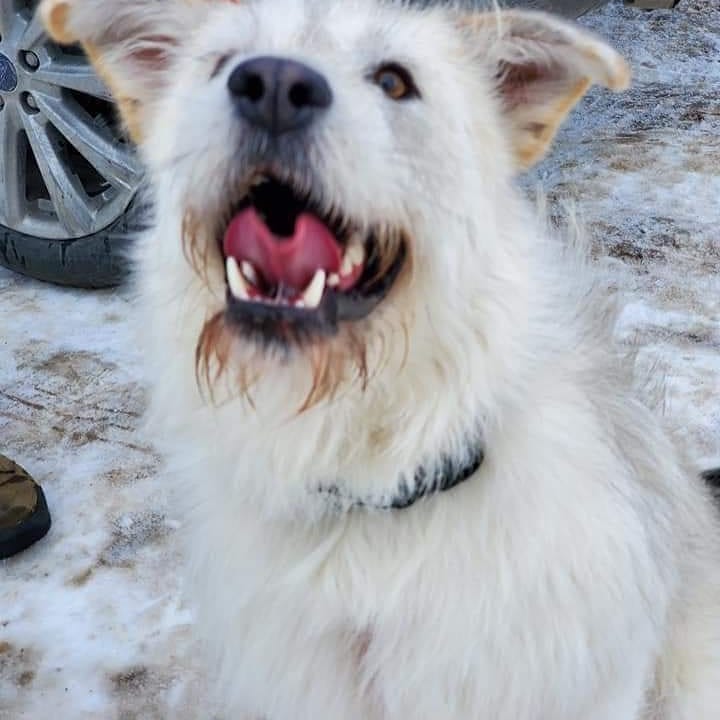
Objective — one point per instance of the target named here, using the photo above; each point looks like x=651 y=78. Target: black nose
x=277 y=94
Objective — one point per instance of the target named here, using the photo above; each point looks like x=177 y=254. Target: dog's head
x=336 y=174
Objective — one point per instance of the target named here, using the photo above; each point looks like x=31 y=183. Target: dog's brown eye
x=396 y=82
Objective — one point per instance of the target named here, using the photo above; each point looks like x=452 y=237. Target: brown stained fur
x=212 y=354
x=388 y=245
x=537 y=139
x=129 y=108
x=56 y=14
x=195 y=250
x=332 y=361
x=532 y=140
x=330 y=365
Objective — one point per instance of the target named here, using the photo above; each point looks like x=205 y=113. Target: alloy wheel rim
x=67 y=169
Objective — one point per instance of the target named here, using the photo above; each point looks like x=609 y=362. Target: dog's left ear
x=542 y=66
x=129 y=42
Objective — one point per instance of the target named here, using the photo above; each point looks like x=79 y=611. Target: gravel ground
x=91 y=621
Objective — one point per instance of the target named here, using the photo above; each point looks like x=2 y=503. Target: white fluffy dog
x=420 y=483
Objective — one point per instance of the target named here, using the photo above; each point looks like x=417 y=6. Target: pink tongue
x=290 y=261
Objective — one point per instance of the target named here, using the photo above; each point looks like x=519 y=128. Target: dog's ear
x=542 y=66
x=129 y=42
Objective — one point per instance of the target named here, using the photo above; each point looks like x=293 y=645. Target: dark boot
x=24 y=515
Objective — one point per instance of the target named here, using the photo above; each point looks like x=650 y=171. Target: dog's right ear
x=129 y=42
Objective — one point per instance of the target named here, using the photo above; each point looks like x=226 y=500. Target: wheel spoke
x=12 y=162
x=34 y=33
x=65 y=171
x=9 y=19
x=113 y=161
x=71 y=203
x=72 y=76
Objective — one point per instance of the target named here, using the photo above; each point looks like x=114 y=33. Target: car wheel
x=69 y=175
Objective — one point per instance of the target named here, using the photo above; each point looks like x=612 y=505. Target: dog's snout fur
x=278 y=95
x=575 y=575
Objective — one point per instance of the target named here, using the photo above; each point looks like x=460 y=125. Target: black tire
x=95 y=261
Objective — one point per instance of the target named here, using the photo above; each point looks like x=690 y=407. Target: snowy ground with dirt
x=92 y=625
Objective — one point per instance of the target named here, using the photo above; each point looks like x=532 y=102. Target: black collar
x=448 y=473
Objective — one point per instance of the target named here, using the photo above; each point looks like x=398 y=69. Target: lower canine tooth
x=314 y=291
x=333 y=280
x=237 y=284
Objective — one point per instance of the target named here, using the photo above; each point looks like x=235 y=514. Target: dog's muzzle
x=295 y=272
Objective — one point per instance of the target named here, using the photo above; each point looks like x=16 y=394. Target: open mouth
x=290 y=267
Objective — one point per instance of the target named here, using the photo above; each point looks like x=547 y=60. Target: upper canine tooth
x=249 y=272
x=314 y=291
x=238 y=286
x=346 y=265
x=356 y=252
x=354 y=255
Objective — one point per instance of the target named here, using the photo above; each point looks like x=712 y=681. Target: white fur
x=576 y=576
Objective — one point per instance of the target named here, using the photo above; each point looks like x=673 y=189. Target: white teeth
x=249 y=272
x=237 y=284
x=354 y=255
x=333 y=280
x=314 y=291
x=346 y=267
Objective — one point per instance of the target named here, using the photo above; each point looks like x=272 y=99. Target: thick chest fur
x=499 y=599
